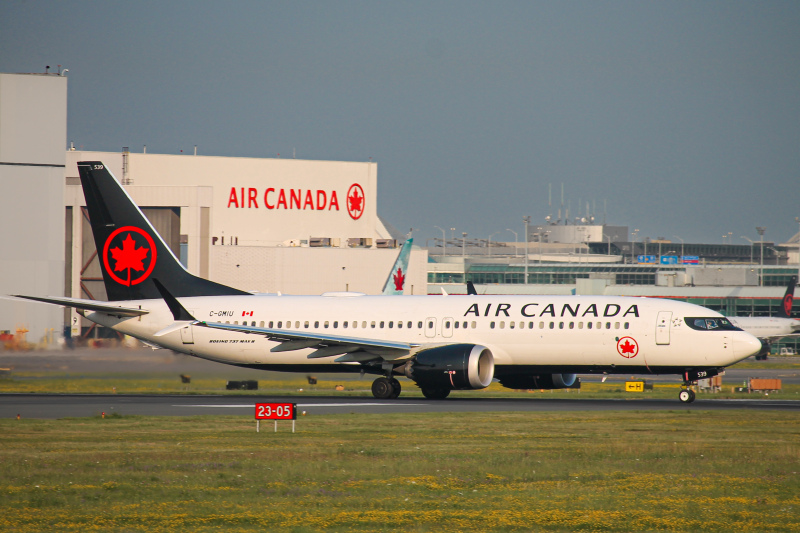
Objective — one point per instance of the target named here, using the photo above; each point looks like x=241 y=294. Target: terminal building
x=309 y=227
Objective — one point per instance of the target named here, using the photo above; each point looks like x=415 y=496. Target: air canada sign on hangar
x=297 y=199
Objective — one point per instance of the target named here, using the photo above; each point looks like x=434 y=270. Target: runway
x=54 y=406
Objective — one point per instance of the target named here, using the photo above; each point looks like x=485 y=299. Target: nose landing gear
x=686 y=395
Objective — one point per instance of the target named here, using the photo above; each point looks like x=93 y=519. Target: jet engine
x=453 y=367
x=540 y=381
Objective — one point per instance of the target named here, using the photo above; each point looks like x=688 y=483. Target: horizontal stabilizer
x=87 y=305
x=175 y=326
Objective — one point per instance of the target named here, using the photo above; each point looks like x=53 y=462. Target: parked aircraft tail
x=788 y=299
x=131 y=253
x=396 y=282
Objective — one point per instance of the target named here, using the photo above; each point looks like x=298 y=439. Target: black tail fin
x=788 y=299
x=130 y=251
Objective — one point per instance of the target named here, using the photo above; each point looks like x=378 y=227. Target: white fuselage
x=765 y=327
x=581 y=332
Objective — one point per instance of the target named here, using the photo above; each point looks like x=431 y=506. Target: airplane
x=441 y=343
x=395 y=282
x=771 y=328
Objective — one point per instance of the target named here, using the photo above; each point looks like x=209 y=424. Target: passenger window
x=491 y=325
x=316 y=324
x=372 y=324
x=364 y=324
x=580 y=325
x=552 y=325
x=510 y=325
x=455 y=324
x=616 y=325
x=430 y=324
x=381 y=324
x=280 y=324
x=589 y=325
x=344 y=324
x=541 y=325
x=626 y=325
x=261 y=324
x=608 y=325
x=502 y=324
x=305 y=324
x=235 y=322
x=410 y=324
x=297 y=324
x=399 y=324
x=326 y=324
x=419 y=325
x=473 y=324
x=335 y=324
x=572 y=325
x=560 y=325
x=270 y=324
x=391 y=324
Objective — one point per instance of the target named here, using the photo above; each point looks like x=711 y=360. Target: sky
x=679 y=119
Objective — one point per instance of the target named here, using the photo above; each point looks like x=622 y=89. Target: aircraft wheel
x=435 y=393
x=686 y=396
x=382 y=388
x=396 y=388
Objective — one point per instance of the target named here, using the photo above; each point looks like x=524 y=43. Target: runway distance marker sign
x=275 y=411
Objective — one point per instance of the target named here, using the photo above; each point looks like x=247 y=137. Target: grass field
x=619 y=471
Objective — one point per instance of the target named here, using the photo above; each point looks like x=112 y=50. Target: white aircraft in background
x=442 y=343
x=771 y=328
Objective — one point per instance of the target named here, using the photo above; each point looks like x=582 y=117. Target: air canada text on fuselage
x=553 y=310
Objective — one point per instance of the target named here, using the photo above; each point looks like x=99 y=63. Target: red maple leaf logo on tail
x=787 y=304
x=399 y=279
x=129 y=257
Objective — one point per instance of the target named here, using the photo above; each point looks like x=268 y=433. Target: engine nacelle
x=540 y=381
x=457 y=367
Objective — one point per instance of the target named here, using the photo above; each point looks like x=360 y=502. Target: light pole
x=527 y=221
x=681 y=245
x=463 y=244
x=633 y=244
x=751 y=248
x=797 y=219
x=490 y=242
x=761 y=230
x=515 y=240
x=444 y=241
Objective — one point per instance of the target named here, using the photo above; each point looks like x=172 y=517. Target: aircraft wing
x=351 y=349
x=87 y=305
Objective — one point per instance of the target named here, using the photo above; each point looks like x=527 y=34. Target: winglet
x=178 y=311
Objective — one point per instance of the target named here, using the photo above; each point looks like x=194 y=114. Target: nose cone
x=745 y=345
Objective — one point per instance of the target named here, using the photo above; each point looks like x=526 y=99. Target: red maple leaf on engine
x=129 y=257
x=399 y=279
x=627 y=347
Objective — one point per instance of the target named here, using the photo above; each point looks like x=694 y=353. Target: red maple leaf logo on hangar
x=137 y=245
x=355 y=201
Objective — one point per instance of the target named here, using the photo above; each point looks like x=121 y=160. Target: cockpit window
x=710 y=324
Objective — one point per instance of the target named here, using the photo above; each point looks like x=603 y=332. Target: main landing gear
x=386 y=388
